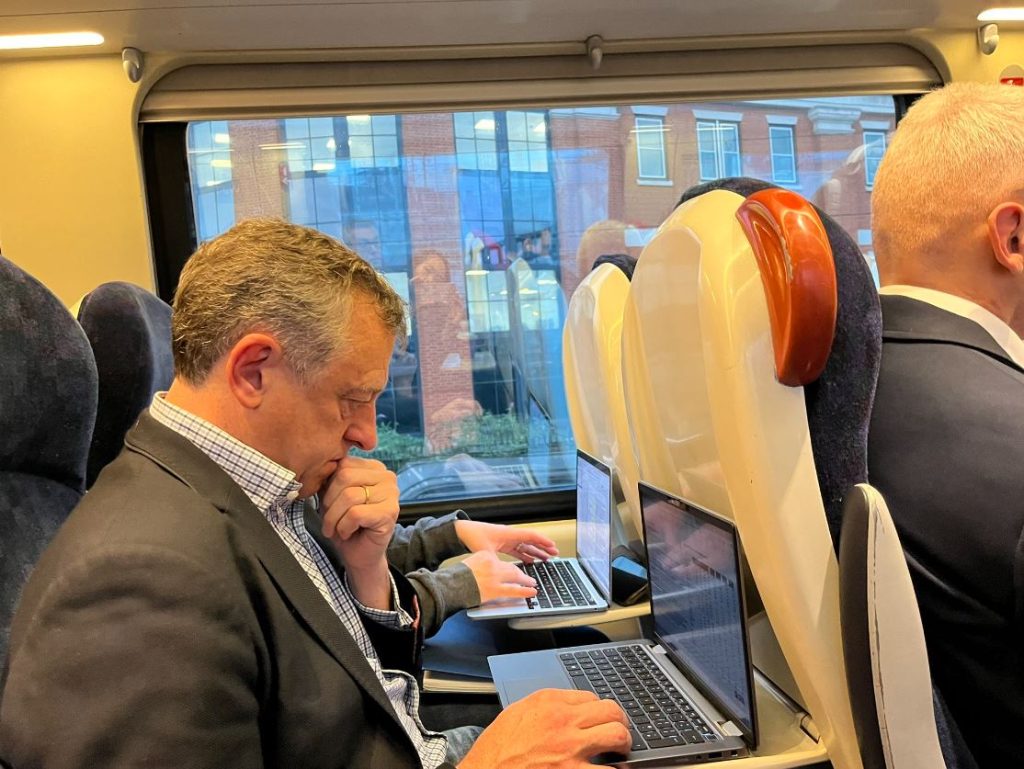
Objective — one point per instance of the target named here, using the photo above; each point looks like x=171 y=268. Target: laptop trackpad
x=518 y=675
x=522 y=687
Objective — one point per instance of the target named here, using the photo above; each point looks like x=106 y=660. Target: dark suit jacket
x=946 y=449
x=167 y=625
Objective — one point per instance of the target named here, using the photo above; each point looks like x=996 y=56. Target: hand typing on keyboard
x=525 y=544
x=499 y=579
x=551 y=729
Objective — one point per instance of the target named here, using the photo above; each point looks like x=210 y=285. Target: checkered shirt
x=274 y=490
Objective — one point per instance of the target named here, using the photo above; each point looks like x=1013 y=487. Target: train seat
x=48 y=391
x=592 y=364
x=883 y=640
x=750 y=355
x=129 y=330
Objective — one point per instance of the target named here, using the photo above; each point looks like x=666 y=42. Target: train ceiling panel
x=223 y=25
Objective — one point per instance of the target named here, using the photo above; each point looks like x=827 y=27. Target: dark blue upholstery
x=130 y=332
x=624 y=262
x=839 y=402
x=48 y=390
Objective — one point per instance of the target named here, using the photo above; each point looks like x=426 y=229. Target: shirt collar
x=270 y=486
x=1003 y=335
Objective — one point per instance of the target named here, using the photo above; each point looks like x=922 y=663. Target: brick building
x=452 y=208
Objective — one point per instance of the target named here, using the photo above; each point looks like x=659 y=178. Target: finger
x=336 y=502
x=379 y=518
x=342 y=499
x=535 y=538
x=601 y=712
x=510 y=573
x=361 y=488
x=531 y=553
x=606 y=738
x=505 y=590
x=354 y=462
x=562 y=696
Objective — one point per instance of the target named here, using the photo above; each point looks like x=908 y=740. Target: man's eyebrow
x=366 y=392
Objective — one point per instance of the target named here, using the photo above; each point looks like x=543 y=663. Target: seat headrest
x=130 y=332
x=839 y=401
x=799 y=279
x=48 y=383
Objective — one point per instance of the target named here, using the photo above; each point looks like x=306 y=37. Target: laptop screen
x=697 y=600
x=593 y=519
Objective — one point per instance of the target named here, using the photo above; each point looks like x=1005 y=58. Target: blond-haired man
x=946 y=443
x=188 y=614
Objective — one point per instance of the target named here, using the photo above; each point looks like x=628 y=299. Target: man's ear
x=1006 y=236
x=248 y=365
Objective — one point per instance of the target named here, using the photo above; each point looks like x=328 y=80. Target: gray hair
x=954 y=157
x=269 y=275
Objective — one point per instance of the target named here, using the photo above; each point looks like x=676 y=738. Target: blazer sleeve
x=84 y=688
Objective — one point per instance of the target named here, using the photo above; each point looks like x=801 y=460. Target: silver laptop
x=572 y=585
x=688 y=691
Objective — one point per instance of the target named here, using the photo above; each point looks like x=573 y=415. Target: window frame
x=657 y=126
x=173 y=235
x=792 y=154
x=883 y=140
x=716 y=125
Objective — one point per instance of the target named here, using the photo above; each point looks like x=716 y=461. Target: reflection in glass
x=487 y=221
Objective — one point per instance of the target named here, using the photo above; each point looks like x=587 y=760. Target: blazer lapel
x=185 y=461
x=910 y=320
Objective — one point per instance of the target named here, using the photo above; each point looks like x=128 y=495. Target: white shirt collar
x=1003 y=335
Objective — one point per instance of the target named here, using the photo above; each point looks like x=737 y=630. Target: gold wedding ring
x=366 y=493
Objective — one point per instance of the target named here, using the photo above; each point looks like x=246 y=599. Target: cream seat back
x=886 y=657
x=592 y=363
x=732 y=319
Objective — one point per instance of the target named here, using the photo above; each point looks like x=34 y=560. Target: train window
x=476 y=218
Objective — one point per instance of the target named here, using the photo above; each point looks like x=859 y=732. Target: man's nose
x=362 y=431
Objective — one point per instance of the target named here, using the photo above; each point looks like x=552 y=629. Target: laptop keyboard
x=557 y=585
x=659 y=715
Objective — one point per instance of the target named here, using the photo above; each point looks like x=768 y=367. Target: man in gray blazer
x=946 y=442
x=222 y=596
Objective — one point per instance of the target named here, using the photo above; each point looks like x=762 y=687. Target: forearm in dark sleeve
x=426 y=543
x=442 y=593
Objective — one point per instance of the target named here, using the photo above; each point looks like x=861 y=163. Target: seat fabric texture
x=624 y=262
x=130 y=332
x=48 y=391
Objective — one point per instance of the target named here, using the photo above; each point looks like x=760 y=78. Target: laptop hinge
x=810 y=728
x=729 y=729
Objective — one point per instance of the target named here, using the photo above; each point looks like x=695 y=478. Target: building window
x=527 y=142
x=209 y=158
x=344 y=178
x=874 y=148
x=476 y=141
x=650 y=148
x=718 y=147
x=783 y=151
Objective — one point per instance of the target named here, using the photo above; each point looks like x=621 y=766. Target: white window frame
x=651 y=128
x=716 y=125
x=773 y=151
x=873 y=137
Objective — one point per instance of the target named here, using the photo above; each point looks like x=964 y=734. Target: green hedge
x=486 y=435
